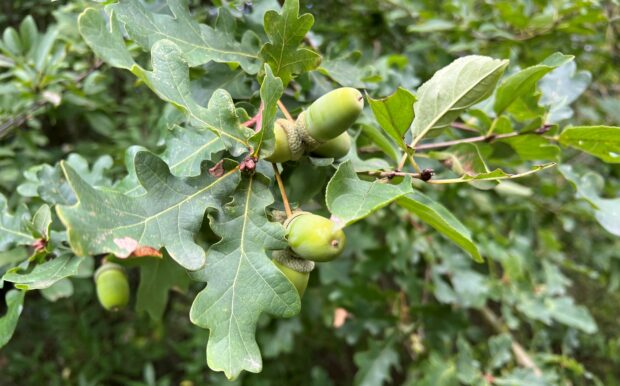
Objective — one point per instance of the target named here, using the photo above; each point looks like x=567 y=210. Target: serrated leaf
x=270 y=93
x=157 y=277
x=13 y=227
x=286 y=31
x=600 y=141
x=8 y=322
x=606 y=211
x=454 y=88
x=199 y=43
x=375 y=364
x=441 y=219
x=39 y=276
x=350 y=199
x=516 y=85
x=394 y=113
x=242 y=281
x=168 y=215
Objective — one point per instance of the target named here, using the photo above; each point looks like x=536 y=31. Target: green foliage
x=479 y=196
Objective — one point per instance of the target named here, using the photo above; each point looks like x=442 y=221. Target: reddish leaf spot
x=39 y=245
x=217 y=170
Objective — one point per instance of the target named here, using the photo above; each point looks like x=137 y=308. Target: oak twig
x=285 y=111
x=287 y=206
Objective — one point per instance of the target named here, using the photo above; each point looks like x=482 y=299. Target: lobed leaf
x=168 y=215
x=13 y=227
x=242 y=281
x=286 y=31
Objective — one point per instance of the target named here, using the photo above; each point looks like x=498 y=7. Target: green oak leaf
x=286 y=31
x=270 y=92
x=169 y=214
x=350 y=199
x=199 y=43
x=14 y=227
x=170 y=80
x=108 y=44
x=394 y=113
x=524 y=81
x=454 y=88
x=157 y=277
x=441 y=219
x=186 y=148
x=39 y=276
x=600 y=141
x=8 y=322
x=242 y=280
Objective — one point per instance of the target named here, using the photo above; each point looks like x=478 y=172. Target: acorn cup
x=321 y=129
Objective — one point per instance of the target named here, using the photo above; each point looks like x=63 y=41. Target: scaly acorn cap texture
x=335 y=148
x=314 y=237
x=333 y=113
x=112 y=286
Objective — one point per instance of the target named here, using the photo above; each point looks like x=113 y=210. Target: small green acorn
x=299 y=279
x=314 y=237
x=333 y=113
x=335 y=148
x=112 y=286
x=281 y=151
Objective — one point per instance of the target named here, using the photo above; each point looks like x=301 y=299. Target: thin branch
x=287 y=206
x=482 y=138
x=28 y=114
x=523 y=358
x=464 y=127
x=285 y=111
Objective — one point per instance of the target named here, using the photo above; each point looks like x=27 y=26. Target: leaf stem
x=287 y=206
x=285 y=111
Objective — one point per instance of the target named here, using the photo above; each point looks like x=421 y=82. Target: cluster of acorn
x=321 y=131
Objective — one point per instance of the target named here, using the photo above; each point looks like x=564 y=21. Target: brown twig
x=287 y=206
x=424 y=175
x=255 y=120
x=285 y=111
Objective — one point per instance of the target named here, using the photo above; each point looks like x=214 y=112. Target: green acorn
x=314 y=237
x=333 y=113
x=281 y=151
x=299 y=279
x=335 y=148
x=112 y=286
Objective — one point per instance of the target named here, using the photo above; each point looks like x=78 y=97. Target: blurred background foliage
x=403 y=307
